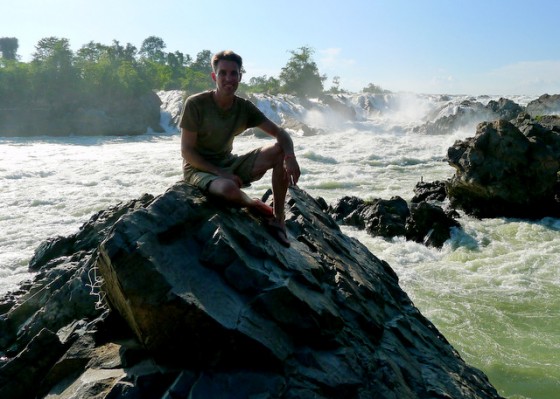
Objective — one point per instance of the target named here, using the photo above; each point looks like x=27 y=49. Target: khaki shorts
x=240 y=165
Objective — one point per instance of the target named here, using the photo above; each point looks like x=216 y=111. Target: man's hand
x=236 y=179
x=291 y=167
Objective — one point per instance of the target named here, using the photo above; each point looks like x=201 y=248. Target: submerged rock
x=214 y=307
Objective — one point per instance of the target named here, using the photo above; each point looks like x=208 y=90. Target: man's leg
x=230 y=191
x=272 y=157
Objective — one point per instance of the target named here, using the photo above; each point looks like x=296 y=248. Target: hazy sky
x=432 y=46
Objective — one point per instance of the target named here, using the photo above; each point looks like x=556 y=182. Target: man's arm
x=191 y=155
x=280 y=134
x=285 y=141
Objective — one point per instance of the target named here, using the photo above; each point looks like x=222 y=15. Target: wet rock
x=215 y=308
x=544 y=105
x=502 y=172
x=421 y=222
x=429 y=191
x=429 y=224
x=467 y=115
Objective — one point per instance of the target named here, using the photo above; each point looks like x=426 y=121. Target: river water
x=493 y=290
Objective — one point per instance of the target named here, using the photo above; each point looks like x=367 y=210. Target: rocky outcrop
x=544 y=105
x=421 y=222
x=215 y=308
x=506 y=170
x=468 y=114
x=132 y=117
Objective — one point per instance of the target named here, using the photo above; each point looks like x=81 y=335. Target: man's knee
x=224 y=188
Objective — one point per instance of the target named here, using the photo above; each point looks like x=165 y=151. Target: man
x=209 y=123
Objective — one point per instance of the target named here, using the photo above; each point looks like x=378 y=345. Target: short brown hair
x=226 y=55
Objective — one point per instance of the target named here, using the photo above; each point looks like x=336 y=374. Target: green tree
x=262 y=84
x=9 y=47
x=152 y=49
x=55 y=79
x=374 y=89
x=335 y=88
x=195 y=81
x=119 y=53
x=15 y=84
x=91 y=53
x=203 y=62
x=301 y=76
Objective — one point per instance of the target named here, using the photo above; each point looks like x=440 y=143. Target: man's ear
x=213 y=74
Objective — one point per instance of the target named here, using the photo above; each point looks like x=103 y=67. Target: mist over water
x=492 y=290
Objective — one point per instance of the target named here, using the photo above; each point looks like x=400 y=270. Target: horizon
x=432 y=47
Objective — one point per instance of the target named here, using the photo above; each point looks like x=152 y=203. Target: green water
x=494 y=292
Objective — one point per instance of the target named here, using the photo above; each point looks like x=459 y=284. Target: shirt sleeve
x=190 y=117
x=255 y=116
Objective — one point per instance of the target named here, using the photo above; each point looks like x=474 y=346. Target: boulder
x=429 y=224
x=429 y=191
x=504 y=109
x=386 y=218
x=199 y=302
x=421 y=221
x=544 y=105
x=502 y=172
x=467 y=114
x=452 y=117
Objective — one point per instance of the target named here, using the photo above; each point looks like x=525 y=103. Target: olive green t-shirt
x=215 y=127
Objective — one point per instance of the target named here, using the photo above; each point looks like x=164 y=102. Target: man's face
x=227 y=76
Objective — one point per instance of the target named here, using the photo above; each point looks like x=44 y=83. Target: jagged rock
x=504 y=109
x=344 y=206
x=502 y=172
x=216 y=308
x=424 y=223
x=30 y=365
x=444 y=121
x=468 y=114
x=544 y=105
x=429 y=191
x=338 y=104
x=551 y=122
x=429 y=224
x=386 y=218
x=88 y=237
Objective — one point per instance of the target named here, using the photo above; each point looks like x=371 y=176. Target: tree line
x=99 y=73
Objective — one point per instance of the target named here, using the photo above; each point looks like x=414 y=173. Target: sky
x=474 y=47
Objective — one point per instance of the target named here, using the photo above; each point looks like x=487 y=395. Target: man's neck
x=224 y=101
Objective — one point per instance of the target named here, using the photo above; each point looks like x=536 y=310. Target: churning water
x=493 y=290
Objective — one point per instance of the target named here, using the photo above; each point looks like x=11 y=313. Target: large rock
x=503 y=172
x=205 y=304
x=422 y=221
x=206 y=287
x=115 y=117
x=467 y=114
x=544 y=105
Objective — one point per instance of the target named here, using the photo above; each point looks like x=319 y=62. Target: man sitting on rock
x=209 y=123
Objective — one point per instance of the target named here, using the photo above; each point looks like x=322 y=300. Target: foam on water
x=493 y=289
x=494 y=292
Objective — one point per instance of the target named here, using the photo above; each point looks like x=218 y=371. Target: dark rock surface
x=421 y=222
x=468 y=114
x=544 y=105
x=214 y=307
x=506 y=170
